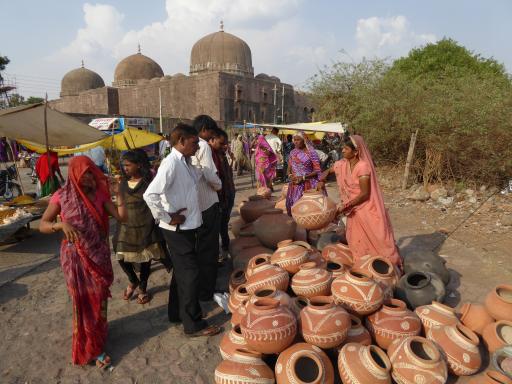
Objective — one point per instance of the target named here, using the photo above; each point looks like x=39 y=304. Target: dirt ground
x=35 y=310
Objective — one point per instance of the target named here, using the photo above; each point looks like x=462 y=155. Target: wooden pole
x=410 y=155
x=47 y=141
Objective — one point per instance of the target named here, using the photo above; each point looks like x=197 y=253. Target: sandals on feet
x=129 y=291
x=211 y=330
x=143 y=298
x=103 y=361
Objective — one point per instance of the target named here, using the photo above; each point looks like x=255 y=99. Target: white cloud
x=391 y=36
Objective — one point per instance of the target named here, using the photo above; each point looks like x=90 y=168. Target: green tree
x=34 y=100
x=4 y=60
x=16 y=99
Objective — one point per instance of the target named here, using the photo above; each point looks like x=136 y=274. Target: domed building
x=221 y=83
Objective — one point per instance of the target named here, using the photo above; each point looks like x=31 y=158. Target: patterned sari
x=266 y=162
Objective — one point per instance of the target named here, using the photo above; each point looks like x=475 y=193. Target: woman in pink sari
x=84 y=205
x=369 y=230
x=266 y=163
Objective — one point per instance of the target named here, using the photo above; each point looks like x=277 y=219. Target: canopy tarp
x=130 y=138
x=27 y=123
x=320 y=126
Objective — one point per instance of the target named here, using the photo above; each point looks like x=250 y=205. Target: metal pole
x=275 y=103
x=160 y=99
x=282 y=107
x=46 y=134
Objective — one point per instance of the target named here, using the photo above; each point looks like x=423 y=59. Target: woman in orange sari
x=369 y=230
x=84 y=205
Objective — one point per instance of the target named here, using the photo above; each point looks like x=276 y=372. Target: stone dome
x=263 y=76
x=134 y=68
x=221 y=52
x=79 y=80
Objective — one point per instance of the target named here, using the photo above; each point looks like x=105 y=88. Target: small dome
x=263 y=76
x=221 y=52
x=134 y=68
x=79 y=80
x=275 y=78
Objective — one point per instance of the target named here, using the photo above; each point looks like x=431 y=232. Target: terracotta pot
x=253 y=208
x=290 y=255
x=427 y=261
x=231 y=341
x=357 y=332
x=501 y=361
x=336 y=269
x=236 y=279
x=460 y=346
x=239 y=313
x=268 y=327
x=304 y=363
x=436 y=314
x=247 y=230
x=419 y=288
x=311 y=281
x=268 y=275
x=357 y=292
x=297 y=304
x=243 y=242
x=415 y=359
x=361 y=364
x=323 y=323
x=235 y=299
x=497 y=335
x=271 y=293
x=499 y=302
x=246 y=367
x=490 y=377
x=392 y=321
x=274 y=226
x=475 y=317
x=339 y=253
x=382 y=271
x=314 y=210
x=256 y=262
x=264 y=192
x=241 y=260
x=235 y=225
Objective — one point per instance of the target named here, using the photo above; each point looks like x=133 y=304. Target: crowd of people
x=179 y=215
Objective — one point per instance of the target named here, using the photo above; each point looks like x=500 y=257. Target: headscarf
x=42 y=170
x=312 y=151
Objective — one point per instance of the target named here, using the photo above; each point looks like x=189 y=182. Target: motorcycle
x=9 y=189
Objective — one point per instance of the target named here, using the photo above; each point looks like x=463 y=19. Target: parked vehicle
x=9 y=189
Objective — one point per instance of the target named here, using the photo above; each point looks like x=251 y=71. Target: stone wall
x=99 y=101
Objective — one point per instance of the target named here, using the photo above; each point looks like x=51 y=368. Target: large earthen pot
x=231 y=341
x=419 y=288
x=243 y=242
x=264 y=192
x=255 y=262
x=236 y=278
x=245 y=367
x=323 y=323
x=314 y=210
x=415 y=360
x=253 y=208
x=357 y=332
x=460 y=346
x=490 y=377
x=336 y=269
x=436 y=314
x=497 y=335
x=311 y=281
x=392 y=321
x=271 y=293
x=360 y=364
x=267 y=275
x=241 y=311
x=339 y=253
x=499 y=302
x=298 y=303
x=357 y=292
x=235 y=225
x=290 y=255
x=304 y=363
x=268 y=327
x=475 y=317
x=241 y=260
x=274 y=226
x=382 y=271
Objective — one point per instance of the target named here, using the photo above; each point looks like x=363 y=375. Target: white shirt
x=162 y=147
x=175 y=186
x=274 y=142
x=209 y=182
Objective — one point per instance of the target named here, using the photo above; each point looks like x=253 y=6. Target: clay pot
x=324 y=324
x=490 y=377
x=236 y=279
x=274 y=226
x=357 y=292
x=436 y=314
x=419 y=288
x=239 y=313
x=300 y=234
x=268 y=327
x=427 y=261
x=256 y=262
x=281 y=205
x=336 y=269
x=243 y=242
x=314 y=210
x=235 y=299
x=382 y=271
x=357 y=332
x=241 y=260
x=416 y=360
x=264 y=192
x=253 y=208
x=271 y=293
x=316 y=257
x=231 y=341
x=502 y=361
x=339 y=253
x=361 y=364
x=235 y=225
x=290 y=255
x=304 y=363
x=460 y=346
x=497 y=335
x=475 y=317
x=499 y=302
x=247 y=230
x=267 y=275
x=297 y=304
x=392 y=321
x=246 y=367
x=311 y=281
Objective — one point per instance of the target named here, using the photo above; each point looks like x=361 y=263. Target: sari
x=369 y=230
x=86 y=263
x=46 y=173
x=265 y=162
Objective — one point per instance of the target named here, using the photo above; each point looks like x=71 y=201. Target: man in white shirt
x=275 y=142
x=208 y=185
x=173 y=198
x=164 y=147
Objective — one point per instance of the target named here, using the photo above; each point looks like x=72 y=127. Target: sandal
x=143 y=298
x=129 y=291
x=211 y=330
x=103 y=361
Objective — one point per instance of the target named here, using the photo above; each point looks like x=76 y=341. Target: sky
x=291 y=39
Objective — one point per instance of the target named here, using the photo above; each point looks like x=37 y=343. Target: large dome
x=78 y=80
x=135 y=67
x=221 y=51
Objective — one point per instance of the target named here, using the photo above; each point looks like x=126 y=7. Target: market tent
x=27 y=123
x=321 y=126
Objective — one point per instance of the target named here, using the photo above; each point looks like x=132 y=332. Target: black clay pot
x=427 y=261
x=419 y=288
x=502 y=361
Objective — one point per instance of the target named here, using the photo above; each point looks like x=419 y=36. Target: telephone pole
x=282 y=107
x=275 y=103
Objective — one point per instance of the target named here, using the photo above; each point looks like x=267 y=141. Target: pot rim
x=383 y=356
x=498 y=324
x=391 y=269
x=394 y=305
x=504 y=287
x=321 y=302
x=265 y=304
x=313 y=356
x=419 y=360
x=443 y=307
x=423 y=284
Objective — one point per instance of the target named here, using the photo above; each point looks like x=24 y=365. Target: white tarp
x=315 y=127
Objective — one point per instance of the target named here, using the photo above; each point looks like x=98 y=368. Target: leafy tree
x=16 y=99
x=34 y=100
x=4 y=60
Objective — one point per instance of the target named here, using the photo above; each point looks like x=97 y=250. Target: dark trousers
x=225 y=215
x=208 y=251
x=183 y=292
x=129 y=269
